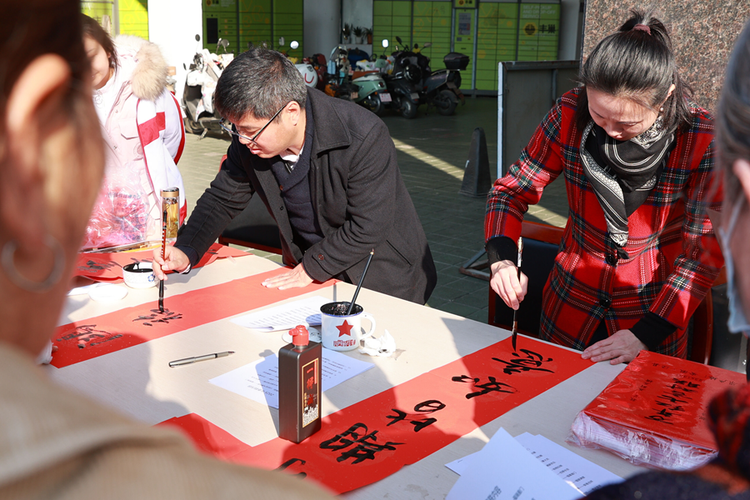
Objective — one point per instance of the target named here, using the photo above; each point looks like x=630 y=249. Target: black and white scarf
x=623 y=173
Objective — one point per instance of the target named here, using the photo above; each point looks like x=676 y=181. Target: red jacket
x=673 y=256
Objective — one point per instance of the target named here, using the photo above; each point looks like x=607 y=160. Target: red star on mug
x=345 y=329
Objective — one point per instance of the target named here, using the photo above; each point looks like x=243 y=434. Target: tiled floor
x=432 y=152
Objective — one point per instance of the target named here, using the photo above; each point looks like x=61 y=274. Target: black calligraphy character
x=672 y=399
x=659 y=418
x=400 y=415
x=290 y=462
x=113 y=337
x=687 y=385
x=157 y=316
x=531 y=362
x=86 y=334
x=365 y=445
x=82 y=341
x=429 y=406
x=492 y=386
x=421 y=424
x=365 y=449
x=92 y=265
x=343 y=439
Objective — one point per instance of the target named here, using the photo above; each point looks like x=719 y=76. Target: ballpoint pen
x=515 y=321
x=195 y=359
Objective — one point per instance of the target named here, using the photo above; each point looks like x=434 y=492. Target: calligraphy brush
x=163 y=256
x=515 y=321
x=354 y=299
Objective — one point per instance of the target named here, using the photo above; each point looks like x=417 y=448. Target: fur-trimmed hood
x=145 y=63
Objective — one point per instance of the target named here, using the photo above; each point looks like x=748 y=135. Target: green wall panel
x=497 y=32
x=134 y=18
x=430 y=25
x=98 y=9
x=539 y=32
x=256 y=22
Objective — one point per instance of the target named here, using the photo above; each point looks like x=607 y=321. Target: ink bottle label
x=310 y=393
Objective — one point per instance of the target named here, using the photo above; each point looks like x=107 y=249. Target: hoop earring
x=9 y=266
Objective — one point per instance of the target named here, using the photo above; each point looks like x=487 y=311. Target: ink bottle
x=299 y=386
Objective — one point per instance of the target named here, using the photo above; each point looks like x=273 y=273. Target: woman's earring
x=9 y=266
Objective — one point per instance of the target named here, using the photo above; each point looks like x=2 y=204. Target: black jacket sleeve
x=226 y=197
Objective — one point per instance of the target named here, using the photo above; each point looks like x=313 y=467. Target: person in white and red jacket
x=144 y=134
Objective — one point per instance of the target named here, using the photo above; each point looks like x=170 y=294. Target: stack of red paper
x=654 y=412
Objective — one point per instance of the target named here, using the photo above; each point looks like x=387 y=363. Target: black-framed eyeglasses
x=253 y=139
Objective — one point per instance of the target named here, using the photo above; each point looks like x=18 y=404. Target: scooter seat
x=364 y=74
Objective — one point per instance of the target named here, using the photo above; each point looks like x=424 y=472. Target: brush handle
x=163 y=256
x=361 y=280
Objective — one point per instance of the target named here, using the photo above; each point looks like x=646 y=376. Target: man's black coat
x=359 y=199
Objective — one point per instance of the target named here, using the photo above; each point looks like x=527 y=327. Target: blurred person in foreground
x=639 y=253
x=53 y=442
x=728 y=476
x=733 y=150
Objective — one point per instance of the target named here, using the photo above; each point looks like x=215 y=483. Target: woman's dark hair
x=94 y=30
x=32 y=28
x=637 y=63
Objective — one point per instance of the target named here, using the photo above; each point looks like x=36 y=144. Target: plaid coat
x=673 y=255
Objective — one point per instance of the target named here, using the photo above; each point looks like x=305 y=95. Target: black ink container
x=299 y=386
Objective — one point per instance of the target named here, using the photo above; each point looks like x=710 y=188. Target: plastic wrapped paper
x=654 y=413
x=121 y=213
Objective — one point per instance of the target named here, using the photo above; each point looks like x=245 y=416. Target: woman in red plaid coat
x=639 y=252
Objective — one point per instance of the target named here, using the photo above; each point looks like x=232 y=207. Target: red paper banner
x=655 y=412
x=107 y=266
x=374 y=438
x=131 y=326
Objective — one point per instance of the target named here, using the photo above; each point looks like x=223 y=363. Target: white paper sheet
x=504 y=469
x=300 y=312
x=259 y=381
x=583 y=475
x=578 y=472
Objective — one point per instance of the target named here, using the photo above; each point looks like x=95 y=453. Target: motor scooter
x=320 y=66
x=309 y=75
x=403 y=80
x=364 y=86
x=338 y=78
x=200 y=84
x=372 y=92
x=440 y=88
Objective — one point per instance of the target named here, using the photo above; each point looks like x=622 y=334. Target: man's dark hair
x=258 y=82
x=637 y=63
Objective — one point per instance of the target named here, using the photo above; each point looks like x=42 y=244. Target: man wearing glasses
x=326 y=170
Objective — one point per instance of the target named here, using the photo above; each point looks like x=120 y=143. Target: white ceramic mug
x=341 y=331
